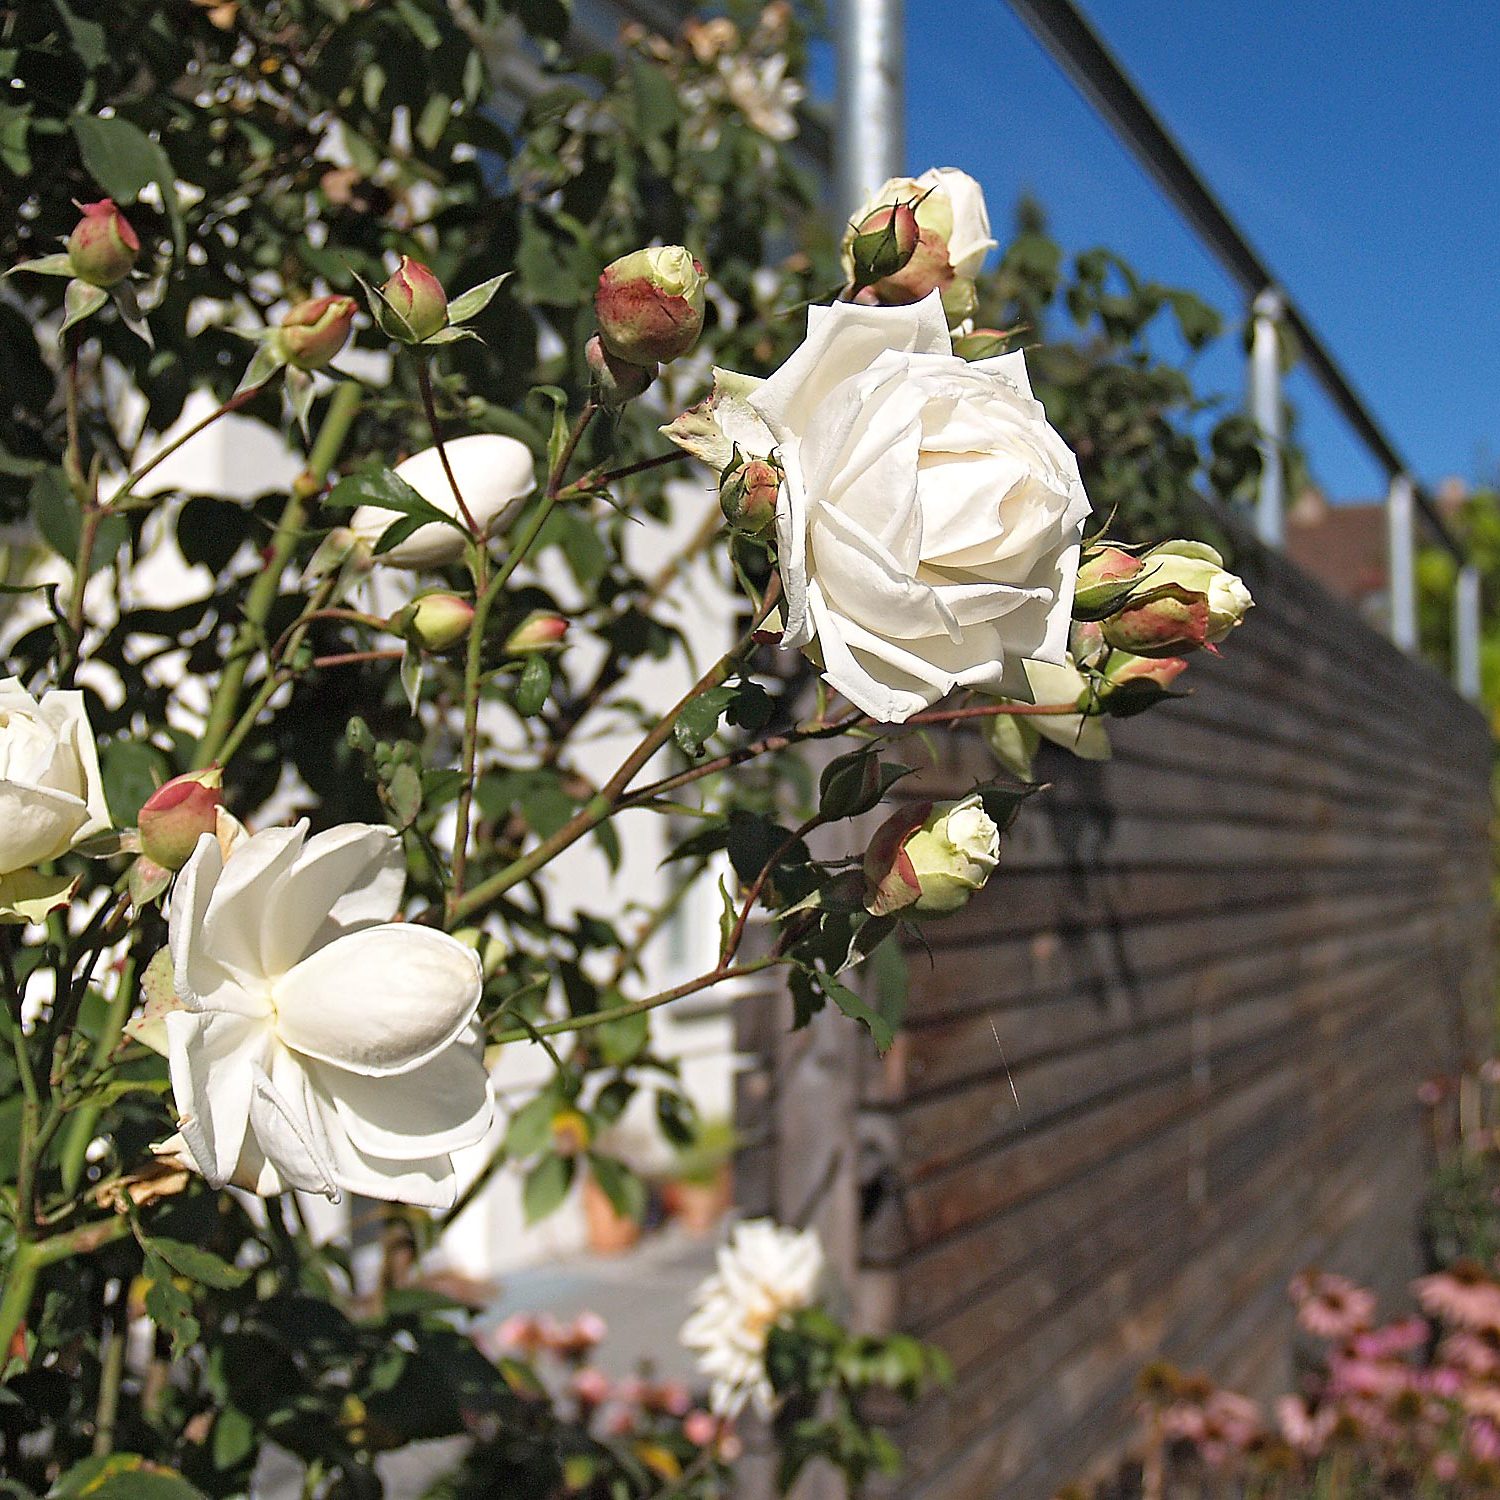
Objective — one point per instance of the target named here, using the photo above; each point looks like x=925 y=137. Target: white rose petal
x=494 y=474
x=931 y=517
x=51 y=792
x=320 y=1045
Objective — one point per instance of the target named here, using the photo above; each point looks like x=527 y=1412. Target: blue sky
x=1357 y=142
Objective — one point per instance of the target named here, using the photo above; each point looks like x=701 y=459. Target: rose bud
x=931 y=859
x=650 y=305
x=177 y=813
x=433 y=622
x=103 y=247
x=747 y=494
x=1134 y=683
x=1086 y=642
x=418 y=296
x=1104 y=582
x=147 y=881
x=1185 y=599
x=983 y=343
x=541 y=630
x=313 y=332
x=883 y=242
x=616 y=381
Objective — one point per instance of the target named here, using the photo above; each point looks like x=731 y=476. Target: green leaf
x=15 y=152
x=168 y=1305
x=535 y=684
x=700 y=719
x=880 y=1027
x=87 y=36
x=81 y=300
x=530 y=1128
x=625 y=1191
x=128 y=306
x=132 y=770
x=621 y=1042
x=546 y=1186
x=450 y=336
x=386 y=489
x=471 y=303
x=196 y=1263
x=123 y=159
x=122 y=1476
x=403 y=793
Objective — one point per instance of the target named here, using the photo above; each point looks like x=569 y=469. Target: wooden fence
x=1169 y=1056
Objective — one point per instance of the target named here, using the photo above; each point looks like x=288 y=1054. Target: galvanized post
x=1467 y=624
x=869 y=143
x=1265 y=408
x=1401 y=560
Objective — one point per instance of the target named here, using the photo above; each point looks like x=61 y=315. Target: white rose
x=930 y=520
x=765 y=1273
x=51 y=794
x=494 y=474
x=315 y=1043
x=955 y=227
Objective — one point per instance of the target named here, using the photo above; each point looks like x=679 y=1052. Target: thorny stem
x=424 y=382
x=599 y=807
x=233 y=404
x=263 y=591
x=774 y=742
x=524 y=541
x=351 y=658
x=34 y=1256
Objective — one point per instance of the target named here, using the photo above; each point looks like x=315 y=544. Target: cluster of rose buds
x=1176 y=598
x=649 y=306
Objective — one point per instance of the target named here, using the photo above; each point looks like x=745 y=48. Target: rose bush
x=312 y=1008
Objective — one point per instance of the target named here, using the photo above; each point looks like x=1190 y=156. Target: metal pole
x=870 y=142
x=1401 y=560
x=1467 y=677
x=1265 y=407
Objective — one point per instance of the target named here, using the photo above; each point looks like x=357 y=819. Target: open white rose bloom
x=494 y=474
x=929 y=527
x=51 y=794
x=764 y=1274
x=318 y=1044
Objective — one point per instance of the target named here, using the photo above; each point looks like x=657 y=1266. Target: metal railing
x=869 y=148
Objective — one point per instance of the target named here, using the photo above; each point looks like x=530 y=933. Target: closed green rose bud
x=177 y=813
x=103 y=248
x=930 y=859
x=434 y=622
x=747 y=495
x=616 y=381
x=883 y=242
x=313 y=332
x=418 y=296
x=650 y=305
x=541 y=630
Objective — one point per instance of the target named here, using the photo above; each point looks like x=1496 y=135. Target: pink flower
x=700 y=1428
x=1472 y=1354
x=1391 y=1339
x=521 y=1333
x=1483 y=1440
x=591 y=1387
x=1330 y=1306
x=1307 y=1431
x=1464 y=1296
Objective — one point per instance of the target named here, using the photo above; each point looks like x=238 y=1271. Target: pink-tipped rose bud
x=650 y=305
x=103 y=247
x=178 y=813
x=541 y=630
x=1183 y=599
x=1086 y=642
x=1134 y=683
x=616 y=381
x=747 y=494
x=434 y=622
x=1105 y=581
x=418 y=296
x=930 y=859
x=313 y=332
x=883 y=243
